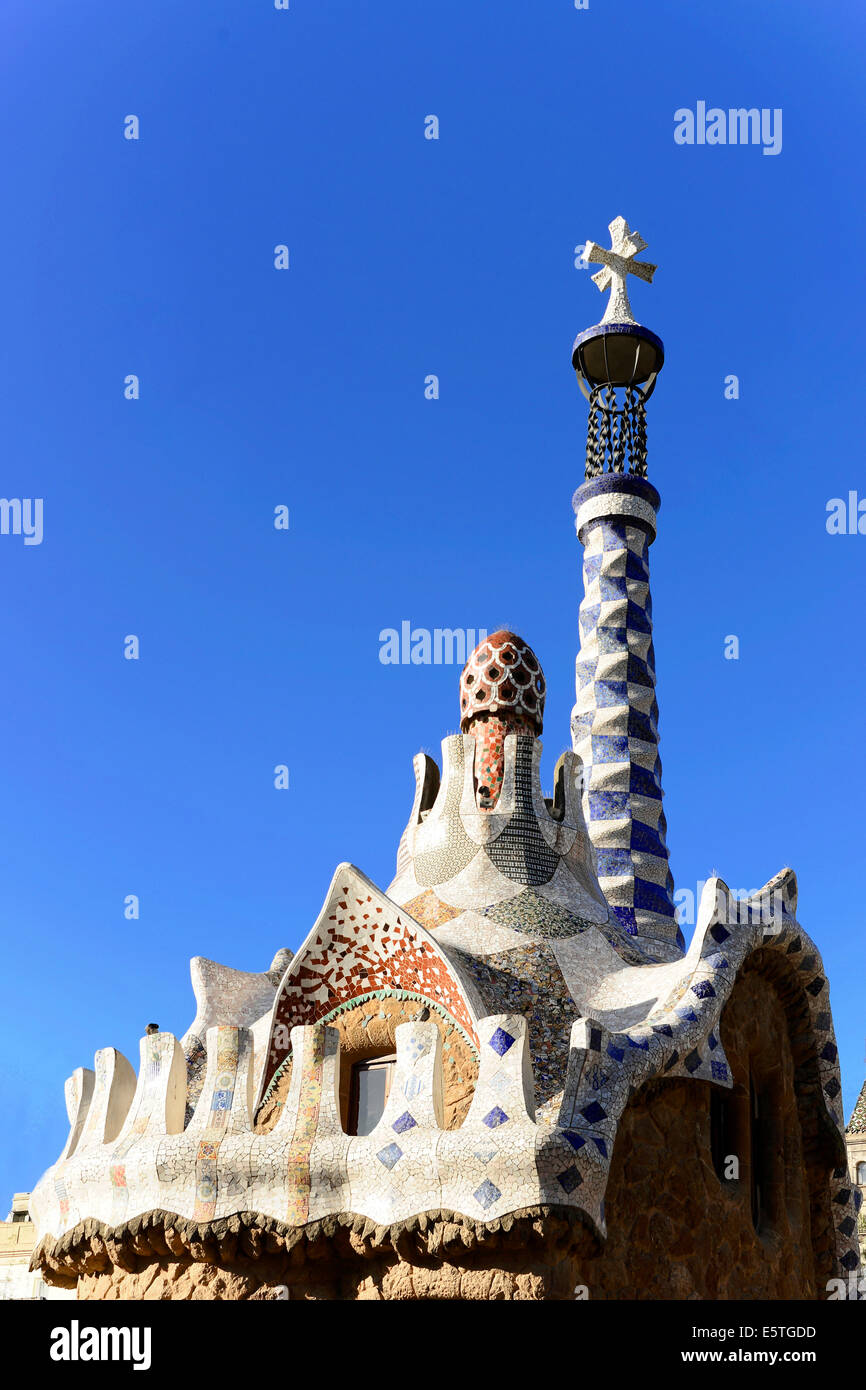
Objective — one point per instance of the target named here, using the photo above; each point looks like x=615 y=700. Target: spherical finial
x=503 y=677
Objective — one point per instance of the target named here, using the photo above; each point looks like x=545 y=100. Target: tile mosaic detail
x=429 y=910
x=502 y=677
x=857 y=1122
x=615 y=728
x=534 y=915
x=531 y=865
x=362 y=943
x=506 y=1156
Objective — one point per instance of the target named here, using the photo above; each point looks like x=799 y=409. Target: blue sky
x=306 y=388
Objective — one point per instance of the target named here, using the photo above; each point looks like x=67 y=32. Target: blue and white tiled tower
x=615 y=718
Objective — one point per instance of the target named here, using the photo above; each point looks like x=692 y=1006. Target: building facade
x=504 y=1074
x=17 y=1243
x=855 y=1138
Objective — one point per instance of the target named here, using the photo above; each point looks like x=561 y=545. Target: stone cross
x=619 y=262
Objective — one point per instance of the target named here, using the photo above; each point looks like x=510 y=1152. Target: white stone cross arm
x=617 y=263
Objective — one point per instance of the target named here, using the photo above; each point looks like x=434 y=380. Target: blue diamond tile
x=501 y=1041
x=496 y=1118
x=719 y=1070
x=594 y=1112
x=718 y=962
x=569 y=1180
x=600 y=1145
x=404 y=1122
x=704 y=990
x=575 y=1140
x=615 y=1052
x=391 y=1154
x=487 y=1194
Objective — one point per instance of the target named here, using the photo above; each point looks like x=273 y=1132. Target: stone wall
x=442 y=1255
x=675 y=1229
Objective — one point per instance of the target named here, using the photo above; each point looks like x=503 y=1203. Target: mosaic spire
x=614 y=722
x=502 y=692
x=857 y=1122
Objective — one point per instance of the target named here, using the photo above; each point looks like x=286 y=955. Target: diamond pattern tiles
x=615 y=733
x=857 y=1122
x=487 y=1194
x=520 y=852
x=501 y=1041
x=495 y=1118
x=391 y=1154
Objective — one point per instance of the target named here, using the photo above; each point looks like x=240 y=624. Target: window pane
x=372 y=1094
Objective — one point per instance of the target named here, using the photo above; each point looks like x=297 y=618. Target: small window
x=861 y=1174
x=371 y=1083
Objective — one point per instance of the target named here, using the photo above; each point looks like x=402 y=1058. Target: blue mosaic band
x=614 y=722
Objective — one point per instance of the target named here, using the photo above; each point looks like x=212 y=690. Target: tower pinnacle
x=614 y=722
x=617 y=361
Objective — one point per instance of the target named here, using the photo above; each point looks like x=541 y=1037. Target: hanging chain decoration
x=616 y=434
x=638 y=432
x=610 y=429
x=622 y=439
x=594 y=464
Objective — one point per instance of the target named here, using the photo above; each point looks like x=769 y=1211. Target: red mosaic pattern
x=502 y=676
x=362 y=948
x=489 y=731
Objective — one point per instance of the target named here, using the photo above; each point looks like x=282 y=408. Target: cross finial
x=617 y=263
